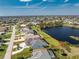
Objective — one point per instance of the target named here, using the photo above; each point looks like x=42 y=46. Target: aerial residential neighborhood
x=39 y=29
x=39 y=39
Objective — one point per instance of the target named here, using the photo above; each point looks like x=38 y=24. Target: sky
x=38 y=7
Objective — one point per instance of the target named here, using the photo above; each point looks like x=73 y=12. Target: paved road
x=10 y=46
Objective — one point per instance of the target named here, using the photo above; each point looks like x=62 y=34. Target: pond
x=63 y=33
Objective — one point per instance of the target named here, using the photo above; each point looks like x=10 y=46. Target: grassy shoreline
x=74 y=37
x=49 y=39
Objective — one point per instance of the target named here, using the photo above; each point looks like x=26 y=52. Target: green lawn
x=7 y=35
x=3 y=49
x=48 y=38
x=18 y=32
x=24 y=54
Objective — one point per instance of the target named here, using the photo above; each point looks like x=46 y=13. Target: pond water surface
x=63 y=33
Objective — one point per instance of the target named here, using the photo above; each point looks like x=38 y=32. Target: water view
x=39 y=37
x=63 y=33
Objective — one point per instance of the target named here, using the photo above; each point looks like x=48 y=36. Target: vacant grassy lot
x=48 y=38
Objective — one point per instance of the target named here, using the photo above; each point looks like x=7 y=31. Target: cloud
x=66 y=0
x=44 y=0
x=25 y=0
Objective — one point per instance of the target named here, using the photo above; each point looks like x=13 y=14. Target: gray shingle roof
x=38 y=44
x=40 y=54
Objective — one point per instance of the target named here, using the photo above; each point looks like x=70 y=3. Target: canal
x=63 y=33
